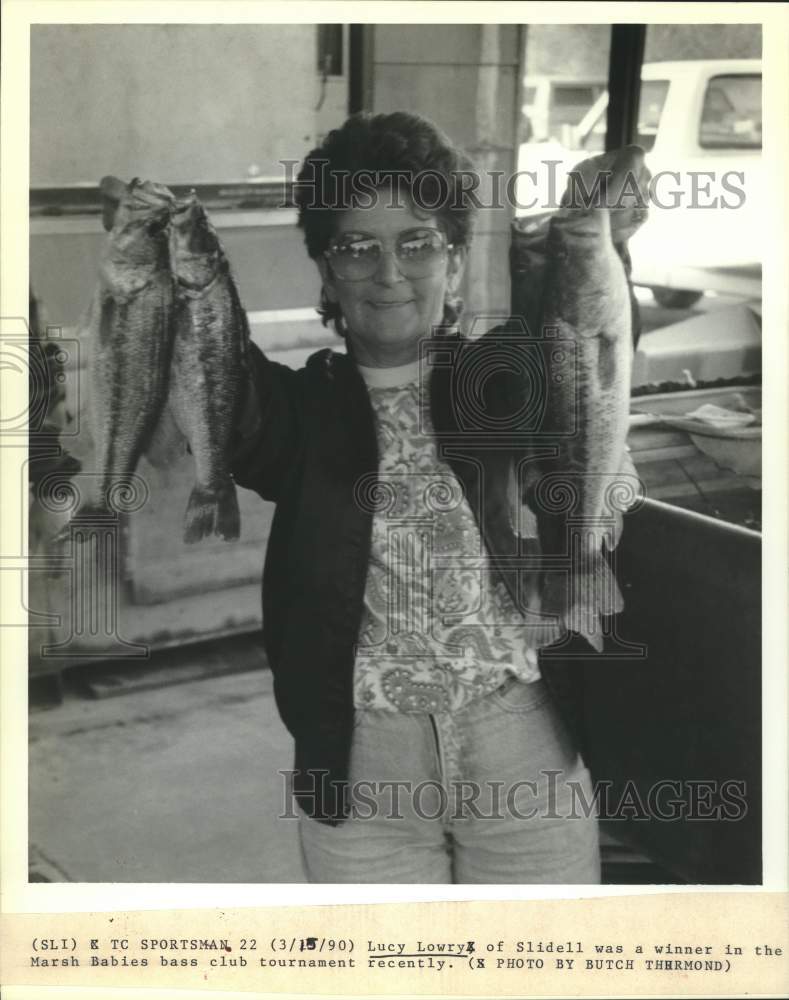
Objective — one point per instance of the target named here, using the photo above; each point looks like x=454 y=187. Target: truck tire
x=676 y=298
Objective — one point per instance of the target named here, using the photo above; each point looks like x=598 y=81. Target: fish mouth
x=158 y=220
x=155 y=222
x=193 y=236
x=150 y=194
x=188 y=218
x=183 y=205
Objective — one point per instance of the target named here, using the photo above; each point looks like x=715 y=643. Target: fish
x=210 y=342
x=578 y=495
x=167 y=444
x=49 y=463
x=129 y=333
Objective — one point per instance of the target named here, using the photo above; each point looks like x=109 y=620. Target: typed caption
x=686 y=943
x=315 y=952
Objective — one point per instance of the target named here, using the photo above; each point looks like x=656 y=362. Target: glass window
x=593 y=141
x=565 y=70
x=731 y=117
x=568 y=96
x=330 y=49
x=650 y=108
x=570 y=104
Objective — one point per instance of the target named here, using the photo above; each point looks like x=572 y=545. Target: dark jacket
x=309 y=440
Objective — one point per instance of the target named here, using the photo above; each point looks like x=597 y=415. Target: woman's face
x=388 y=313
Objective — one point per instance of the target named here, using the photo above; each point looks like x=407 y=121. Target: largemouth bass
x=129 y=333
x=210 y=343
x=578 y=500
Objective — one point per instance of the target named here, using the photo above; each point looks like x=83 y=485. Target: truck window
x=650 y=108
x=572 y=96
x=731 y=117
x=594 y=140
x=570 y=103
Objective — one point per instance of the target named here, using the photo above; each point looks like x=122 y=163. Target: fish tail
x=592 y=593
x=92 y=513
x=212 y=511
x=228 y=520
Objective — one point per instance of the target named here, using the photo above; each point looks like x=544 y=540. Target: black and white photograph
x=394 y=487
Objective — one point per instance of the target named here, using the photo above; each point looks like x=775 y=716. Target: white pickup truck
x=700 y=122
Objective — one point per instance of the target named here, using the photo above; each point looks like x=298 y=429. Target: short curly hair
x=369 y=152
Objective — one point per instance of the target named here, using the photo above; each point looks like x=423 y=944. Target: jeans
x=494 y=793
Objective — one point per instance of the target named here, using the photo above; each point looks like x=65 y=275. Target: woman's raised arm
x=269 y=427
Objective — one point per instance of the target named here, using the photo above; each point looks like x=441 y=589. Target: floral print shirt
x=439 y=627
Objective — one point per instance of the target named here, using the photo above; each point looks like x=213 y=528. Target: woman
x=428 y=746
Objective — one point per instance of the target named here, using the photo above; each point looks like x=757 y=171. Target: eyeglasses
x=419 y=252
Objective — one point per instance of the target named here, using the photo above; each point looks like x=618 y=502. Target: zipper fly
x=443 y=776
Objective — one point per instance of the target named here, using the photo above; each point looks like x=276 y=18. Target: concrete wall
x=179 y=103
x=435 y=69
x=570 y=50
x=465 y=78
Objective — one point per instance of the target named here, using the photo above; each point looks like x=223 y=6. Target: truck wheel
x=676 y=298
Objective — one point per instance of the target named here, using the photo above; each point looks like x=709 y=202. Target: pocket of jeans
x=517 y=696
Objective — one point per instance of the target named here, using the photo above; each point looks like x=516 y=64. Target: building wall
x=435 y=69
x=569 y=50
x=465 y=78
x=178 y=103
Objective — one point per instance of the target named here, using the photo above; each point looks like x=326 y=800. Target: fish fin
x=62 y=535
x=582 y=598
x=90 y=513
x=112 y=190
x=167 y=443
x=212 y=512
x=228 y=521
x=628 y=494
x=612 y=539
x=593 y=593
